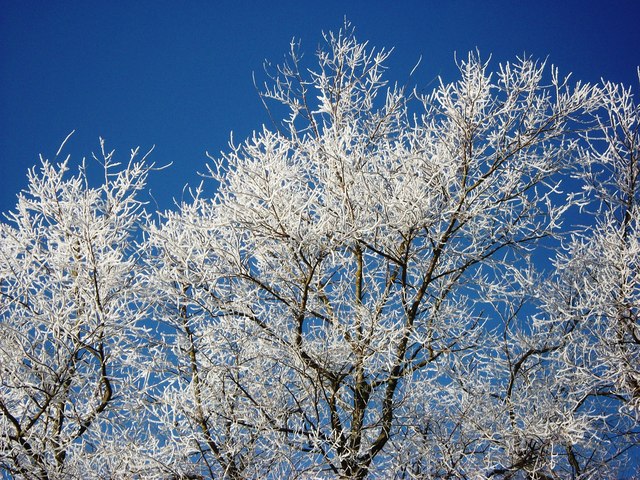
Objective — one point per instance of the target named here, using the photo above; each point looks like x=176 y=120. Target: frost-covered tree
x=608 y=258
x=595 y=298
x=386 y=284
x=361 y=298
x=71 y=323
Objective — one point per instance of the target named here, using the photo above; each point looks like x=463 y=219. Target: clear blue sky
x=178 y=75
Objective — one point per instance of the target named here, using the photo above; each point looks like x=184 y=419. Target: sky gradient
x=178 y=75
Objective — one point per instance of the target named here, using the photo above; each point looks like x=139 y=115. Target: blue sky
x=178 y=75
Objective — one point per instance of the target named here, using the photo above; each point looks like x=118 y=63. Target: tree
x=387 y=284
x=72 y=322
x=595 y=297
x=362 y=288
